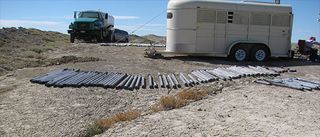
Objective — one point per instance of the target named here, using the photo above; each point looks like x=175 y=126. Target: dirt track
x=242 y=109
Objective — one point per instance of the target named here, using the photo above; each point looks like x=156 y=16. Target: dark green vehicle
x=92 y=26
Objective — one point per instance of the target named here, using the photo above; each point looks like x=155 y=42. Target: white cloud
x=126 y=17
x=43 y=25
x=155 y=25
x=47 y=17
x=6 y=23
x=157 y=29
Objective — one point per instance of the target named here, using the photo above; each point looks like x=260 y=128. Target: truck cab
x=92 y=26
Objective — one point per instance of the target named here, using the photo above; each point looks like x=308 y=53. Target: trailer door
x=205 y=30
x=259 y=27
x=237 y=27
x=220 y=33
x=280 y=38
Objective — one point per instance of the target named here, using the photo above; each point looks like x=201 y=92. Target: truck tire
x=239 y=53
x=100 y=37
x=110 y=37
x=259 y=54
x=72 y=38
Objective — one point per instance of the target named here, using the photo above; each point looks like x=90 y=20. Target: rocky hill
x=21 y=47
x=147 y=39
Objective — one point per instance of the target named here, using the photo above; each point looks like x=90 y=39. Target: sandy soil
x=243 y=108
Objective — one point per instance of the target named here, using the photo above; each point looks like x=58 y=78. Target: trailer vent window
x=221 y=17
x=262 y=19
x=169 y=15
x=230 y=17
x=206 y=16
x=281 y=20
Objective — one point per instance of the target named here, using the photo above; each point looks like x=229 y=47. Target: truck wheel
x=72 y=38
x=100 y=37
x=239 y=53
x=259 y=53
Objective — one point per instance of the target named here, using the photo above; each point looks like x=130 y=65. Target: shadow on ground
x=277 y=62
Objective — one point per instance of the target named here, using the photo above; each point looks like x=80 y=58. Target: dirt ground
x=242 y=108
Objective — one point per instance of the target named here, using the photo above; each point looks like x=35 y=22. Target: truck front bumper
x=82 y=34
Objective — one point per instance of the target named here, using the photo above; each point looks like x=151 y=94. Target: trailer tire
x=72 y=38
x=259 y=54
x=239 y=53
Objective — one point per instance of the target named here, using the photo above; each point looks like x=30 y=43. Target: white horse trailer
x=240 y=30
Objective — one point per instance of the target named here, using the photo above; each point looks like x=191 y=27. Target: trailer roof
x=230 y=5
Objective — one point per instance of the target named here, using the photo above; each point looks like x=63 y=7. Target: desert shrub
x=125 y=116
x=192 y=94
x=103 y=124
x=171 y=102
x=179 y=100
x=93 y=129
x=37 y=50
x=48 y=40
x=72 y=59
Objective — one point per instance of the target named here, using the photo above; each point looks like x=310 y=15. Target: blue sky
x=56 y=15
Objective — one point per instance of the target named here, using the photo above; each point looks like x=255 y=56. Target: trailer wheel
x=72 y=38
x=259 y=54
x=239 y=53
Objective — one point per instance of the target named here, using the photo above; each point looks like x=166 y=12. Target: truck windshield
x=88 y=15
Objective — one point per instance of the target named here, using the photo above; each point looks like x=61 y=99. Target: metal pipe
x=60 y=78
x=183 y=80
x=70 y=81
x=96 y=80
x=105 y=82
x=143 y=82
x=171 y=82
x=165 y=81
x=121 y=85
x=110 y=84
x=138 y=82
x=160 y=80
x=193 y=79
x=219 y=75
x=126 y=86
x=131 y=87
x=175 y=80
x=45 y=78
x=199 y=76
x=151 y=86
x=155 y=84
x=94 y=76
x=86 y=78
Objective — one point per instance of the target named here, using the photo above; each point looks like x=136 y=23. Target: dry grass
x=179 y=100
x=192 y=94
x=103 y=124
x=126 y=116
